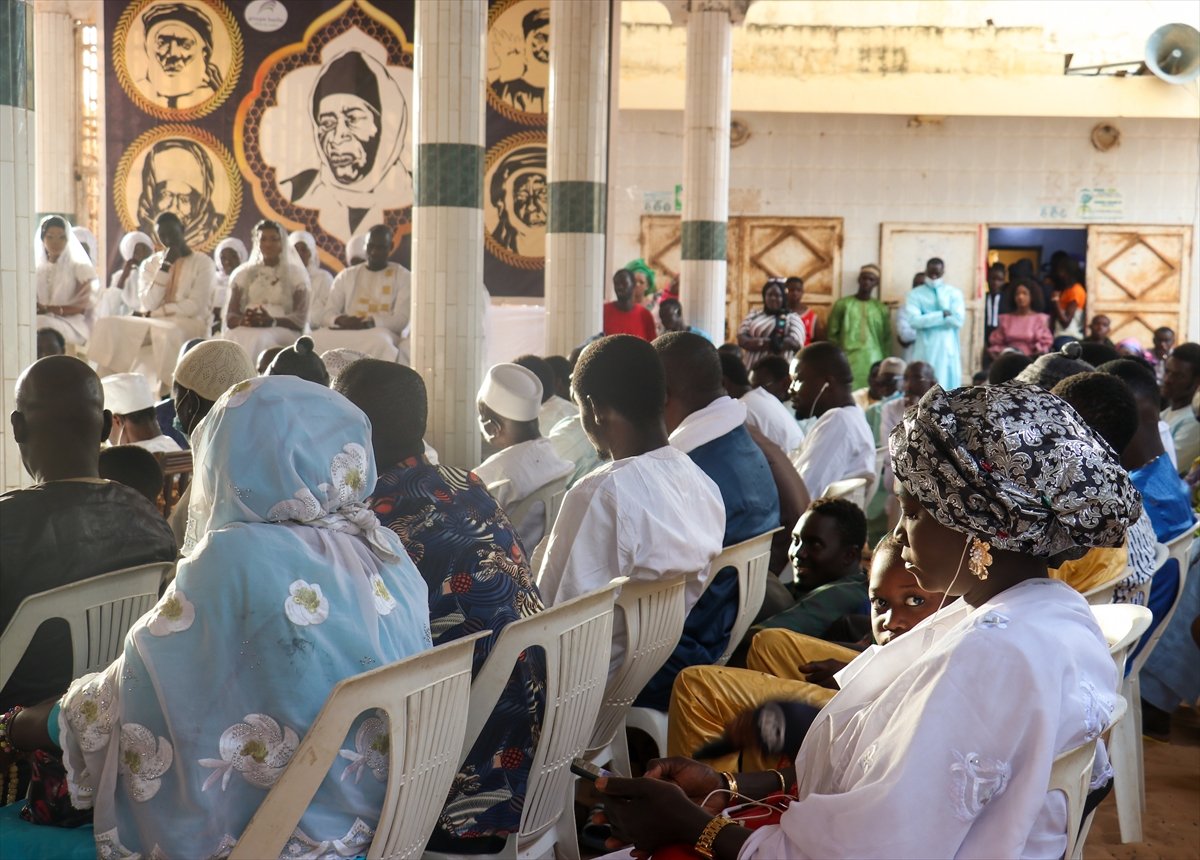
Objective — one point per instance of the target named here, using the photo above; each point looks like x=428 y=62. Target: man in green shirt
x=827 y=547
x=861 y=325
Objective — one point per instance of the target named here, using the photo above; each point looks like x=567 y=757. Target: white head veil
x=58 y=282
x=88 y=239
x=291 y=270
x=356 y=247
x=130 y=241
x=314 y=261
x=239 y=248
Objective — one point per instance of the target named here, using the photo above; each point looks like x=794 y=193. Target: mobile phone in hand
x=583 y=767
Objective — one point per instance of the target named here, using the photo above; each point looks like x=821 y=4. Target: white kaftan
x=649 y=517
x=839 y=446
x=767 y=414
x=384 y=296
x=941 y=744
x=179 y=303
x=937 y=313
x=555 y=409
x=515 y=474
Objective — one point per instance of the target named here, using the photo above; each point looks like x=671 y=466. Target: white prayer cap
x=512 y=392
x=892 y=366
x=337 y=360
x=126 y=393
x=213 y=367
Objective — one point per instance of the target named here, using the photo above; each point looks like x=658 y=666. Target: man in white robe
x=175 y=294
x=649 y=514
x=526 y=462
x=369 y=305
x=134 y=422
x=840 y=444
x=764 y=411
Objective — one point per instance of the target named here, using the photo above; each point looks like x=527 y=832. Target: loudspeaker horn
x=1173 y=53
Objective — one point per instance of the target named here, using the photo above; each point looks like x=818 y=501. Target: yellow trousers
x=705 y=698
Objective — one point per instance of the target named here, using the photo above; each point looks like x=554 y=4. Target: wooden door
x=757 y=248
x=1137 y=275
x=779 y=247
x=904 y=250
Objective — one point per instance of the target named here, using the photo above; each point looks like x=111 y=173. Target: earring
x=979 y=558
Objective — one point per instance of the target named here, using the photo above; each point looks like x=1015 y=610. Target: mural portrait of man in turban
x=519 y=198
x=178 y=176
x=179 y=68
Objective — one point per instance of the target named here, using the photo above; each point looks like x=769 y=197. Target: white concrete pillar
x=17 y=223
x=706 y=162
x=578 y=175
x=57 y=93
x=447 y=246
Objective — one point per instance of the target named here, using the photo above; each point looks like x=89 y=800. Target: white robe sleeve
x=950 y=761
x=585 y=549
x=339 y=298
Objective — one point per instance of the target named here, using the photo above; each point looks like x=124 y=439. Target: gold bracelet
x=782 y=782
x=730 y=782
x=704 y=845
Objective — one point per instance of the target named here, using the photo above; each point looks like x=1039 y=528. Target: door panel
x=904 y=251
x=759 y=248
x=1137 y=275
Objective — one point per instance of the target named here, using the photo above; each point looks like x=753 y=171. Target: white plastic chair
x=550 y=495
x=577 y=639
x=1103 y=593
x=1123 y=625
x=653 y=613
x=852 y=489
x=99 y=610
x=1130 y=786
x=1072 y=775
x=751 y=558
x=426 y=699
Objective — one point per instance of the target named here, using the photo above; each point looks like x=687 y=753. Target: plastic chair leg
x=1125 y=746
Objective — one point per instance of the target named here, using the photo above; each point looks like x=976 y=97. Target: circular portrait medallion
x=517 y=200
x=518 y=59
x=180 y=169
x=177 y=59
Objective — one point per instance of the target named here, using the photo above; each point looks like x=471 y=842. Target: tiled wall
x=17 y=224
x=874 y=169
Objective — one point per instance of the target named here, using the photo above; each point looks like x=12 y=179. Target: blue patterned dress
x=478 y=578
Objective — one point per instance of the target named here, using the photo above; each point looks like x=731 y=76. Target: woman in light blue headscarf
x=288 y=585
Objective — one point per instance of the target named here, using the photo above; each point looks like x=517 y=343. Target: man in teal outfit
x=937 y=310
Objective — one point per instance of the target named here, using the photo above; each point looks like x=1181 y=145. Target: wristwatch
x=704 y=845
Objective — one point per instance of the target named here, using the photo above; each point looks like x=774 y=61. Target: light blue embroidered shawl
x=291 y=586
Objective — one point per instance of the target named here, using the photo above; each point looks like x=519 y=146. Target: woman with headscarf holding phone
x=772 y=329
x=941 y=744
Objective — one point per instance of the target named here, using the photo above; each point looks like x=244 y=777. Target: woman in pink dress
x=1025 y=329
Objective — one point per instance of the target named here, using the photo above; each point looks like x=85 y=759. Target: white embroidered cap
x=512 y=392
x=213 y=367
x=126 y=393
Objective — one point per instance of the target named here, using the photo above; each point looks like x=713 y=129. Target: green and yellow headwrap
x=639 y=265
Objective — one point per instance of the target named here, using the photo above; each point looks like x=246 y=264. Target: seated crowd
x=319 y=536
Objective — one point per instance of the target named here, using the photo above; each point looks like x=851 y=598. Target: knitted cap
x=300 y=360
x=211 y=368
x=1053 y=367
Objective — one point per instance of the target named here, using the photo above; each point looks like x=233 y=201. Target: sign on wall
x=294 y=110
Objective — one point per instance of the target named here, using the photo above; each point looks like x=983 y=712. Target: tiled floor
x=1171 y=823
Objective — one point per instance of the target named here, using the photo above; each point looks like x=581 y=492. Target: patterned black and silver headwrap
x=1016 y=466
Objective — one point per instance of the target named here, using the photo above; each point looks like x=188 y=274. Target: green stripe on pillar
x=577 y=207
x=703 y=240
x=449 y=174
x=16 y=47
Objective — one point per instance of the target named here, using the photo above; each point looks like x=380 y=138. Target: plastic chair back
x=1123 y=625
x=853 y=489
x=550 y=495
x=654 y=613
x=751 y=558
x=1103 y=593
x=576 y=637
x=1072 y=775
x=426 y=699
x=99 y=610
x=1178 y=549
